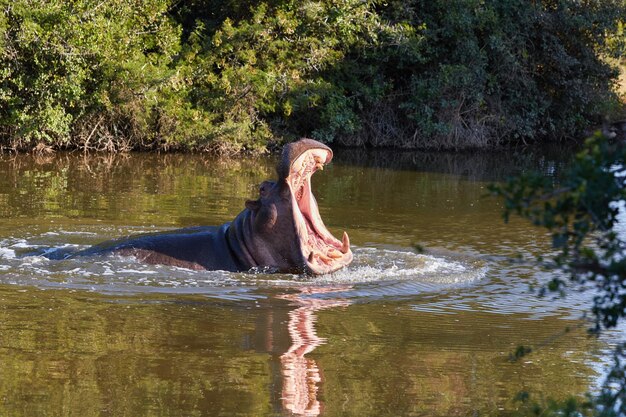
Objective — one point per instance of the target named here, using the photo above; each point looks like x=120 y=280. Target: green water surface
x=398 y=333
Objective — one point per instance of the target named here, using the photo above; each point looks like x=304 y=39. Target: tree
x=243 y=74
x=583 y=210
x=76 y=71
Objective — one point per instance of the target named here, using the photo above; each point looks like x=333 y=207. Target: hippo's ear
x=253 y=205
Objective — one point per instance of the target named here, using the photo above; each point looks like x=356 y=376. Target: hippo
x=281 y=231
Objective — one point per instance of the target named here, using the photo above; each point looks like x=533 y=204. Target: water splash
x=375 y=272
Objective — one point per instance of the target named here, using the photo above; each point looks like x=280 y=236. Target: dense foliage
x=585 y=214
x=241 y=74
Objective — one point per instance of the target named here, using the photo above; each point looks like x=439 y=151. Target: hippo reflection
x=282 y=231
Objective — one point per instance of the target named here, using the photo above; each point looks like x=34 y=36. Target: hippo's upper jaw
x=323 y=253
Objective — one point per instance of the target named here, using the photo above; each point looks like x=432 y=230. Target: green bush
x=239 y=75
x=91 y=73
x=496 y=71
x=272 y=73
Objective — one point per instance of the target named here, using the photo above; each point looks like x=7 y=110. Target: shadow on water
x=481 y=166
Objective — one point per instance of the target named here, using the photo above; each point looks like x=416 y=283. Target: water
x=399 y=332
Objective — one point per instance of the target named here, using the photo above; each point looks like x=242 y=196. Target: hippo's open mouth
x=321 y=250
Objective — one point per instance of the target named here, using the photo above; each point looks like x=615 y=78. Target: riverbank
x=110 y=145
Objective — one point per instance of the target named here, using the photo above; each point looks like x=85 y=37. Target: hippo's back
x=204 y=247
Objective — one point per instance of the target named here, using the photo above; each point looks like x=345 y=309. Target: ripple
x=6 y=253
x=375 y=272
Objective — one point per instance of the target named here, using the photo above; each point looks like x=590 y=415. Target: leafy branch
x=582 y=210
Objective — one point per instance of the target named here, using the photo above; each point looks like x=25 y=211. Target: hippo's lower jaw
x=323 y=253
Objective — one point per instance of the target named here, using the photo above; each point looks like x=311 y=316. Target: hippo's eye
x=264 y=189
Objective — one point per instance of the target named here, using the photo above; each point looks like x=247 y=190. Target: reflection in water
x=425 y=335
x=479 y=166
x=301 y=375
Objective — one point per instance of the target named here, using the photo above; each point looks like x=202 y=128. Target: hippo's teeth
x=345 y=243
x=320 y=255
x=334 y=253
x=319 y=163
x=323 y=257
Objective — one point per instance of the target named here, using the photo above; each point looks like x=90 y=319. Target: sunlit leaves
x=242 y=74
x=69 y=60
